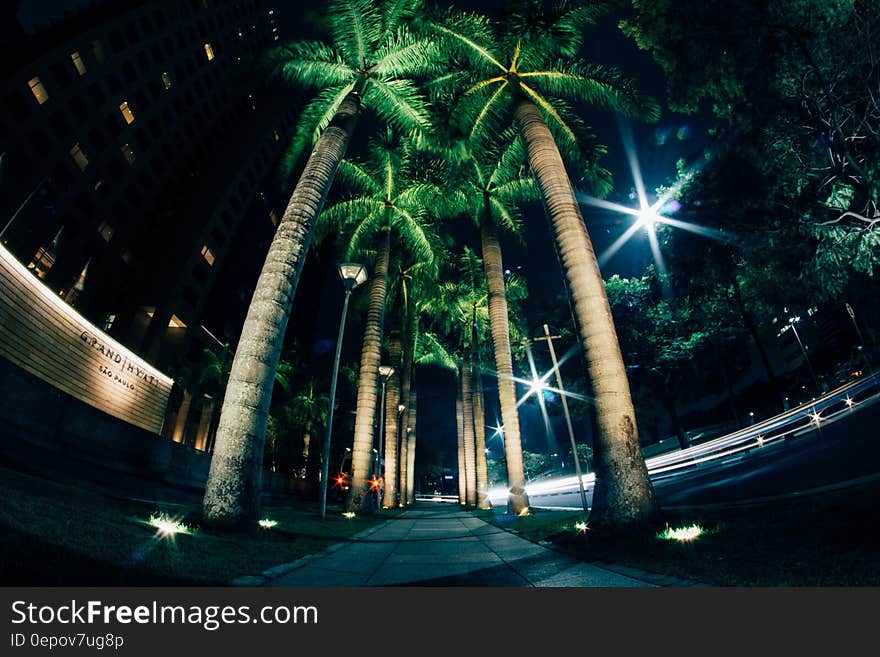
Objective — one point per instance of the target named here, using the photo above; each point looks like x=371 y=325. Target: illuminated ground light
x=348 y=514
x=682 y=534
x=265 y=523
x=167 y=526
x=581 y=527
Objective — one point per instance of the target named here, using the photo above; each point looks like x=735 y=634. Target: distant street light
x=352 y=275
x=385 y=372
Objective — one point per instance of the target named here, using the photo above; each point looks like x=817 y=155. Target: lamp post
x=385 y=372
x=352 y=275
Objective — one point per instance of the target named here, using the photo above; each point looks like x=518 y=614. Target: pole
x=806 y=359
x=381 y=432
x=852 y=316
x=577 y=462
x=22 y=206
x=325 y=467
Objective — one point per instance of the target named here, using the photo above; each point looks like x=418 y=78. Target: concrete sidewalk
x=442 y=545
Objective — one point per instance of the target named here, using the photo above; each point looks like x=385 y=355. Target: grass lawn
x=824 y=540
x=55 y=534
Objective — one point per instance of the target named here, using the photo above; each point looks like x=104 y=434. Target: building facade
x=137 y=147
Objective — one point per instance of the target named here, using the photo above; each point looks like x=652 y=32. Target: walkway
x=442 y=545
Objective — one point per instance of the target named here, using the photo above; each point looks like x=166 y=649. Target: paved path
x=442 y=545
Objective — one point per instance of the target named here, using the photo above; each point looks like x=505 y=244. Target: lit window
x=277 y=136
x=106 y=231
x=108 y=322
x=79 y=157
x=127 y=114
x=209 y=51
x=208 y=255
x=78 y=62
x=166 y=80
x=38 y=90
x=273 y=217
x=127 y=153
x=176 y=322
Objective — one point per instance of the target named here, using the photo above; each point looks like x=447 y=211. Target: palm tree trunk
x=232 y=493
x=392 y=400
x=623 y=497
x=369 y=379
x=409 y=340
x=499 y=323
x=411 y=448
x=459 y=425
x=467 y=407
x=307 y=441
x=482 y=466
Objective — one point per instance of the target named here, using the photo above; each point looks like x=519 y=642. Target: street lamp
x=352 y=275
x=385 y=372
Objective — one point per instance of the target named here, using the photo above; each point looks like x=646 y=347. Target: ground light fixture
x=682 y=534
x=168 y=527
x=266 y=523
x=352 y=274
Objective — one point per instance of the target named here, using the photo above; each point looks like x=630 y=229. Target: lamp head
x=352 y=274
x=385 y=371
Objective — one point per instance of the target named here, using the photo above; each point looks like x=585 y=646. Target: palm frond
x=355 y=177
x=601 y=86
x=313 y=120
x=471 y=36
x=399 y=104
x=431 y=351
x=356 y=25
x=365 y=232
x=310 y=64
x=405 y=55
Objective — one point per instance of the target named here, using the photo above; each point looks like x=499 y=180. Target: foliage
x=794 y=84
x=373 y=52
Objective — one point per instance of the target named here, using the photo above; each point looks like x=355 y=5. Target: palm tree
x=391 y=197
x=411 y=447
x=392 y=401
x=492 y=182
x=461 y=311
x=527 y=73
x=308 y=409
x=371 y=62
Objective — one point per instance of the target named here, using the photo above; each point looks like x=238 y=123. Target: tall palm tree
x=528 y=72
x=391 y=198
x=461 y=311
x=492 y=181
x=411 y=447
x=392 y=401
x=371 y=62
